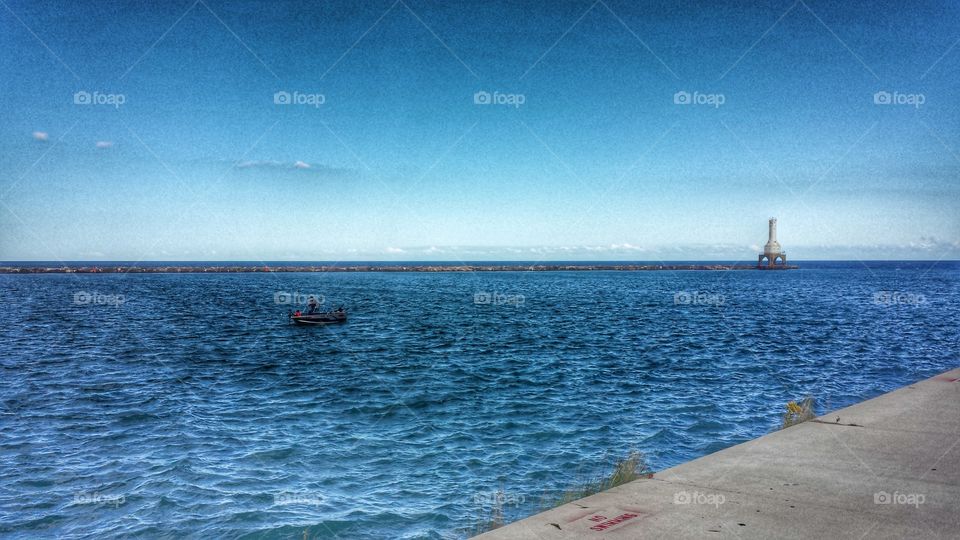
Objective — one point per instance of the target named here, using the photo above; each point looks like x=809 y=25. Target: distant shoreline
x=239 y=269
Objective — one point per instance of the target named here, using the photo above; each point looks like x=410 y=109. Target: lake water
x=188 y=406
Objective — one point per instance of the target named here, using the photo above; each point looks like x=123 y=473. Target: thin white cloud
x=626 y=247
x=258 y=164
x=298 y=165
x=41 y=136
x=395 y=250
x=104 y=144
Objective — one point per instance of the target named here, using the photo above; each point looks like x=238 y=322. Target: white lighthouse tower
x=772 y=251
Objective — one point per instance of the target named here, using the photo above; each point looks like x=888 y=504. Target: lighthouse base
x=772 y=260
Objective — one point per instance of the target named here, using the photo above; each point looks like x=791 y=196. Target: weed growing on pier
x=627 y=469
x=490 y=518
x=798 y=412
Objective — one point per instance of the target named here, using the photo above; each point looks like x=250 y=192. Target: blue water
x=186 y=405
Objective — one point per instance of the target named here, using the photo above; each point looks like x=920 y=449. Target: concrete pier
x=884 y=468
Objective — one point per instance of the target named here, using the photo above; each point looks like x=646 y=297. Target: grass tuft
x=490 y=518
x=627 y=469
x=798 y=412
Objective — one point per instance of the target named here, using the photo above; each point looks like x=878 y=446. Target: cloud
x=932 y=244
x=41 y=136
x=272 y=164
x=104 y=144
x=626 y=247
x=259 y=164
x=612 y=251
x=298 y=165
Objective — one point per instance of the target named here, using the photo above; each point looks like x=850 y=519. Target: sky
x=427 y=130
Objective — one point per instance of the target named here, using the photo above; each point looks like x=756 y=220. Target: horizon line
x=434 y=261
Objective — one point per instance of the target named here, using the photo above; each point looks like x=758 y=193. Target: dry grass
x=798 y=412
x=627 y=469
x=490 y=518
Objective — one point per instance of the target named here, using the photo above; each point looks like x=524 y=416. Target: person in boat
x=312 y=305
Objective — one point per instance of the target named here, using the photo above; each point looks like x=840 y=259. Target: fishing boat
x=325 y=317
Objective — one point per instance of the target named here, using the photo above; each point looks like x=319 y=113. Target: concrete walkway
x=885 y=468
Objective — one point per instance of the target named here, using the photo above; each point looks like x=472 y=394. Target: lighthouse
x=772 y=251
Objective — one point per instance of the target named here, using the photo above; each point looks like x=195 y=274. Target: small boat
x=324 y=317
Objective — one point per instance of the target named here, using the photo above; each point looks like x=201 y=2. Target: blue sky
x=582 y=153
